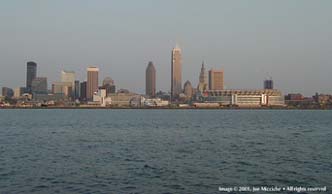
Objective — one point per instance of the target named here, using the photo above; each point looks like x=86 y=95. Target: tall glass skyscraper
x=31 y=75
x=176 y=71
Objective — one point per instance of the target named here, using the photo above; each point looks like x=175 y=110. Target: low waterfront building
x=100 y=98
x=48 y=97
x=18 y=92
x=244 y=98
x=155 y=102
x=122 y=99
x=323 y=98
x=294 y=97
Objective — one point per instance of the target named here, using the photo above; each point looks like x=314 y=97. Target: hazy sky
x=250 y=39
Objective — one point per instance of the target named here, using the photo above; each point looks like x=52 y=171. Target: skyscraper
x=77 y=89
x=202 y=85
x=92 y=83
x=68 y=76
x=150 y=80
x=216 y=79
x=64 y=88
x=176 y=71
x=83 y=91
x=39 y=85
x=31 y=74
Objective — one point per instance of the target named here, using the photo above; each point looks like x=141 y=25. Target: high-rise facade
x=39 y=85
x=31 y=75
x=83 y=91
x=176 y=72
x=92 y=82
x=64 y=88
x=216 y=79
x=77 y=89
x=150 y=80
x=68 y=76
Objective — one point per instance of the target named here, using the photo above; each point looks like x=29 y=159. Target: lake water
x=162 y=151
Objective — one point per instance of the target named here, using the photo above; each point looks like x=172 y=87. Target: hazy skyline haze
x=250 y=40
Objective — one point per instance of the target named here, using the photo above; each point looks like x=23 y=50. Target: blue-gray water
x=162 y=151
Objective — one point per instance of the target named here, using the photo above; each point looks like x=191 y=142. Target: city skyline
x=254 y=40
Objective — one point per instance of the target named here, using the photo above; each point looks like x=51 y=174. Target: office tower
x=77 y=89
x=31 y=75
x=150 y=80
x=83 y=91
x=92 y=82
x=7 y=92
x=176 y=73
x=216 y=79
x=68 y=76
x=268 y=84
x=39 y=85
x=188 y=89
x=202 y=85
x=64 y=88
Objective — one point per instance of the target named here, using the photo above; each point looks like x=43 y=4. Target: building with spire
x=150 y=80
x=176 y=73
x=202 y=85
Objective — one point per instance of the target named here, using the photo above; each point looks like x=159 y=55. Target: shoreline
x=160 y=108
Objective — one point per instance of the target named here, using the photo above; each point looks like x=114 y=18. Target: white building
x=245 y=98
x=101 y=98
x=155 y=102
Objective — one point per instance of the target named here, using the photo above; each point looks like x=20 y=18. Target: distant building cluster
x=209 y=92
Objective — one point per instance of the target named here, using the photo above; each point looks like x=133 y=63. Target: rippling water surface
x=162 y=151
